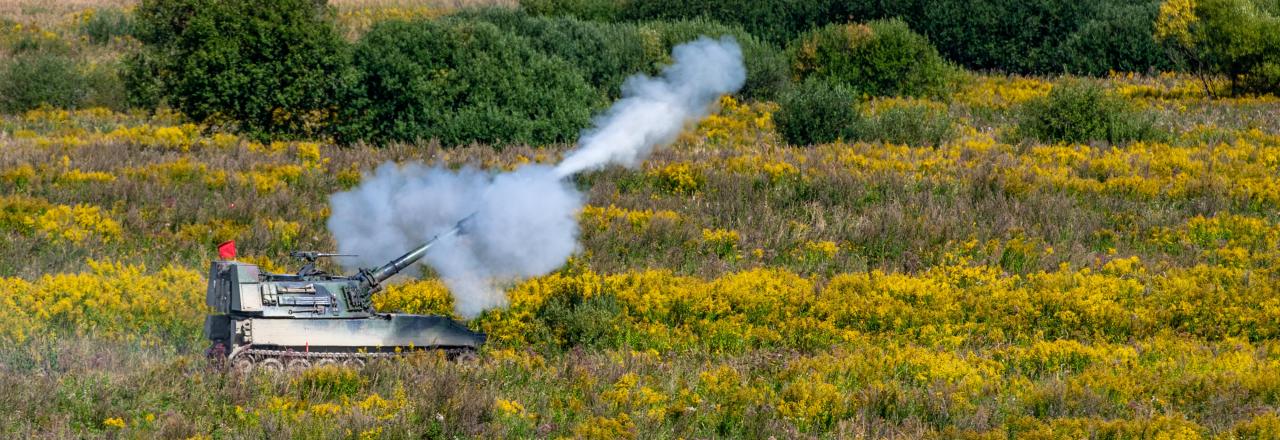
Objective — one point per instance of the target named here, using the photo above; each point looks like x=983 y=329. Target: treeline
x=1088 y=37
x=1017 y=36
x=535 y=75
x=493 y=75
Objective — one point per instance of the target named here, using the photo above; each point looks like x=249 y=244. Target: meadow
x=984 y=286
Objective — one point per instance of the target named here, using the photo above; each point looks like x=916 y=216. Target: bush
x=572 y=319
x=766 y=65
x=911 y=123
x=605 y=53
x=29 y=80
x=42 y=69
x=817 y=111
x=881 y=58
x=1081 y=111
x=460 y=82
x=103 y=86
x=274 y=69
x=107 y=23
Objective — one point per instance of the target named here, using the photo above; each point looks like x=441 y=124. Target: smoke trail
x=653 y=111
x=525 y=223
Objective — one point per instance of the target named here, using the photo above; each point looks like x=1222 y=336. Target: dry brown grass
x=49 y=13
x=46 y=13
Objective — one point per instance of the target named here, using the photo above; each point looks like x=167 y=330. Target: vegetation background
x=944 y=219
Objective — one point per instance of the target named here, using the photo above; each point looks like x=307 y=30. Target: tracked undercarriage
x=248 y=359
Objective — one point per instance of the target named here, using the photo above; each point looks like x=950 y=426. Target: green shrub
x=40 y=68
x=107 y=23
x=881 y=58
x=459 y=82
x=766 y=65
x=104 y=86
x=274 y=69
x=572 y=319
x=1082 y=111
x=31 y=79
x=911 y=123
x=817 y=111
x=605 y=53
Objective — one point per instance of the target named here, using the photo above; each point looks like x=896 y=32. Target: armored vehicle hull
x=277 y=322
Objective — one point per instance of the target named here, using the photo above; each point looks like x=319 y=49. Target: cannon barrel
x=406 y=260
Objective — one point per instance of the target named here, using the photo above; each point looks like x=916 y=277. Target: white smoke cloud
x=524 y=226
x=525 y=221
x=653 y=111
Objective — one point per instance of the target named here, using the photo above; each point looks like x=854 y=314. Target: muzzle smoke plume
x=525 y=223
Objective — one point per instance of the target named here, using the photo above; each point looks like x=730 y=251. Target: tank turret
x=293 y=321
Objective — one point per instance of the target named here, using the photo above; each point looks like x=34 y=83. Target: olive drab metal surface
x=292 y=321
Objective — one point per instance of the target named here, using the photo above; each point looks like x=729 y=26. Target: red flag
x=227 y=250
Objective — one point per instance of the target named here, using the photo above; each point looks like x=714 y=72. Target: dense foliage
x=31 y=79
x=604 y=53
x=910 y=122
x=817 y=111
x=461 y=81
x=272 y=69
x=38 y=67
x=1239 y=39
x=776 y=21
x=880 y=58
x=1039 y=36
x=1117 y=39
x=1082 y=111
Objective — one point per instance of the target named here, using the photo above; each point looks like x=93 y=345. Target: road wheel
x=324 y=362
x=270 y=365
x=242 y=365
x=466 y=356
x=298 y=365
x=353 y=363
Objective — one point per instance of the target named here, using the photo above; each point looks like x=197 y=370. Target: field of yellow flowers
x=733 y=286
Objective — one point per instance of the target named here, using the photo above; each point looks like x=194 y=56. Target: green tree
x=272 y=69
x=1239 y=39
x=461 y=81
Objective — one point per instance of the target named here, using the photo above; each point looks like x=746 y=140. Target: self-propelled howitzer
x=293 y=321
